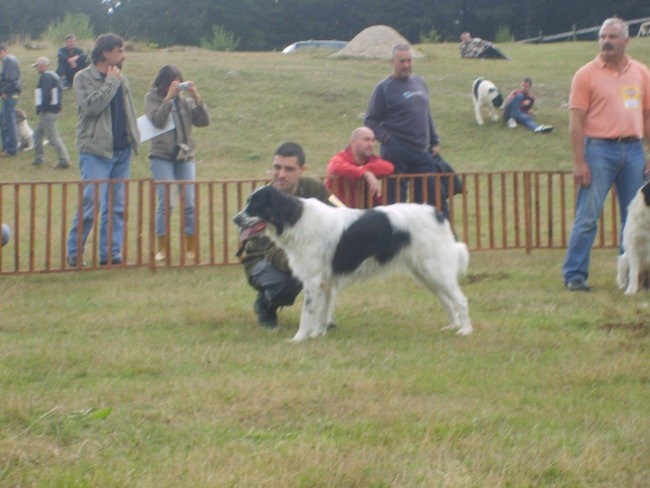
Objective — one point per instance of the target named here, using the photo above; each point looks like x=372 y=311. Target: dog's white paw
x=465 y=330
x=299 y=337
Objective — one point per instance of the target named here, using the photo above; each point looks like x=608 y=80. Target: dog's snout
x=240 y=218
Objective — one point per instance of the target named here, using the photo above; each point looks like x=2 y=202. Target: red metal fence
x=497 y=211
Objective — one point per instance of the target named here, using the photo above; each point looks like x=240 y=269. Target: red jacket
x=344 y=175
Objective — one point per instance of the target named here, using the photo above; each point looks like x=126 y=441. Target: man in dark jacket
x=399 y=114
x=48 y=106
x=10 y=87
x=70 y=59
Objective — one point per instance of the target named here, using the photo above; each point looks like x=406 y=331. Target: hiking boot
x=266 y=314
x=577 y=285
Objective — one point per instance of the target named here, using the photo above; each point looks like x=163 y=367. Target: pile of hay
x=374 y=42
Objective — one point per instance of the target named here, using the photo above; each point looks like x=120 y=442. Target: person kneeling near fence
x=265 y=264
x=171 y=153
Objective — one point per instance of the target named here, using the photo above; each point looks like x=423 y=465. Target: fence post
x=528 y=225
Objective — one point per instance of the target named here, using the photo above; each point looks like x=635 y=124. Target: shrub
x=503 y=34
x=77 y=24
x=221 y=40
x=431 y=37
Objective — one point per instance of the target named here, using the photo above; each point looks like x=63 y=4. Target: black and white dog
x=330 y=247
x=633 y=270
x=486 y=97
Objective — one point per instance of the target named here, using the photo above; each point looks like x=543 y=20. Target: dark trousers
x=277 y=288
x=410 y=161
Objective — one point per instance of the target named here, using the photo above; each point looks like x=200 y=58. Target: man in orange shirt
x=356 y=162
x=609 y=117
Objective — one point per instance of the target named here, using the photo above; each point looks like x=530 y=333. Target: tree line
x=261 y=25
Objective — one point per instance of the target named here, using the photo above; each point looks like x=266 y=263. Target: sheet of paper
x=148 y=130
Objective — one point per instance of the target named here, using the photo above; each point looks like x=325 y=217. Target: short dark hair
x=3 y=47
x=69 y=36
x=528 y=80
x=103 y=43
x=291 y=150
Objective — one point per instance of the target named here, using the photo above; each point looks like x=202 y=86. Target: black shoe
x=266 y=315
x=577 y=285
x=61 y=166
x=114 y=262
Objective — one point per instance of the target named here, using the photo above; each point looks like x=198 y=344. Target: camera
x=184 y=85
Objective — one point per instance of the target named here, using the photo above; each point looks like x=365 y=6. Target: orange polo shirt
x=614 y=102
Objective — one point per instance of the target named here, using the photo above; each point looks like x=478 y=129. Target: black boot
x=266 y=314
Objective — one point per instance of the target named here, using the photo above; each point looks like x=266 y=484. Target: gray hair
x=400 y=48
x=616 y=21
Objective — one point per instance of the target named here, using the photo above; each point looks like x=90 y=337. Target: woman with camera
x=172 y=153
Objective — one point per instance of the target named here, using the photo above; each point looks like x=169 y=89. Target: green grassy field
x=129 y=378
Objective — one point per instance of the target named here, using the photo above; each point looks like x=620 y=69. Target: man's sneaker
x=577 y=285
x=543 y=129
x=267 y=316
x=61 y=166
x=114 y=262
x=72 y=262
x=512 y=123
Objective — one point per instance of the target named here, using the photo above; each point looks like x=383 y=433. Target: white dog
x=486 y=97
x=634 y=264
x=25 y=132
x=330 y=247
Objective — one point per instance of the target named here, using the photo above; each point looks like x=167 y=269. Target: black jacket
x=48 y=93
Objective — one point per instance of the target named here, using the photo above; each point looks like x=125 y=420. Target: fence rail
x=496 y=211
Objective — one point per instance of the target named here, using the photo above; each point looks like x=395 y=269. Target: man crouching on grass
x=266 y=265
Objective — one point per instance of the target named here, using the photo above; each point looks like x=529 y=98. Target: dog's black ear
x=284 y=210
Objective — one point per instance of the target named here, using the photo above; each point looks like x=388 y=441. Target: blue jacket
x=400 y=108
x=10 y=83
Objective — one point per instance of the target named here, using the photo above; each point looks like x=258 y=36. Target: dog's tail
x=463 y=257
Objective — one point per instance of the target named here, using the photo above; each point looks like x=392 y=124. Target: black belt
x=618 y=140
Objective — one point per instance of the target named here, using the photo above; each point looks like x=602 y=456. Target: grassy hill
x=258 y=100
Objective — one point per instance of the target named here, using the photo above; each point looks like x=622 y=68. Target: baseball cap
x=42 y=60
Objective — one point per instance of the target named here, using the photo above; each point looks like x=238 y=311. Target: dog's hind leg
x=452 y=298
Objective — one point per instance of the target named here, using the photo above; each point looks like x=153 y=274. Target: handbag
x=444 y=167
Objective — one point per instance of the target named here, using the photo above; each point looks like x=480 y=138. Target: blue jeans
x=610 y=163
x=8 y=125
x=164 y=169
x=410 y=161
x=96 y=168
x=512 y=110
